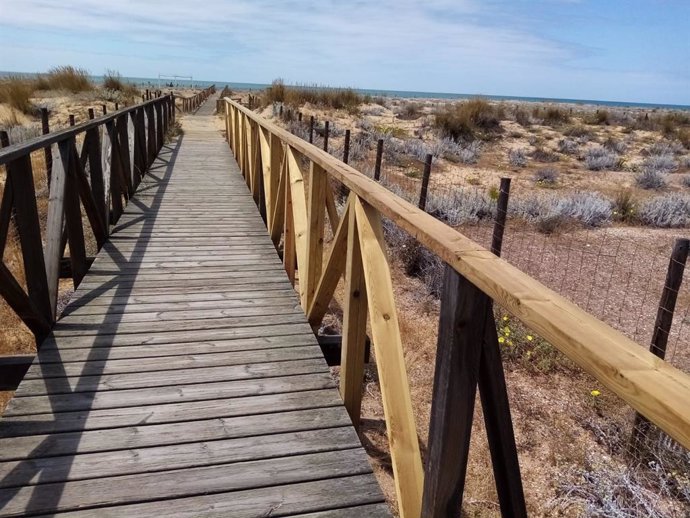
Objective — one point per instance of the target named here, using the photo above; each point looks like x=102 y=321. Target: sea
x=180 y=82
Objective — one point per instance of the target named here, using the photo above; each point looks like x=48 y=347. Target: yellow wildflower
x=501 y=339
x=595 y=393
x=530 y=338
x=505 y=318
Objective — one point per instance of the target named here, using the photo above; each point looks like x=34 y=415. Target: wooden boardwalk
x=183 y=378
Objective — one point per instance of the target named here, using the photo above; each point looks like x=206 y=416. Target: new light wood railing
x=296 y=201
x=100 y=176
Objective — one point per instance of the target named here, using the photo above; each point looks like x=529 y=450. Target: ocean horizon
x=406 y=94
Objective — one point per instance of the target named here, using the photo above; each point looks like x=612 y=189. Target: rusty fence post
x=501 y=215
x=425 y=182
x=379 y=157
x=662 y=329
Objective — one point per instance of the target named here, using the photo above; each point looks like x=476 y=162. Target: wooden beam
x=318 y=184
x=354 y=325
x=299 y=219
x=56 y=213
x=335 y=266
x=395 y=391
x=458 y=353
x=289 y=251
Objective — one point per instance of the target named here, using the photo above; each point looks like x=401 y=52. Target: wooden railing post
x=19 y=195
x=354 y=322
x=311 y=129
x=467 y=355
x=501 y=215
x=159 y=126
x=151 y=135
x=48 y=152
x=316 y=210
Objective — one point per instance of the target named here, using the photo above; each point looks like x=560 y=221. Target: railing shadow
x=46 y=494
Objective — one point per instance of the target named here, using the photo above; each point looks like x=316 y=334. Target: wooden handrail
x=267 y=155
x=14 y=151
x=192 y=102
x=113 y=174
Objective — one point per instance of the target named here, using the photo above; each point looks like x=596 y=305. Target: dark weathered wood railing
x=99 y=175
x=295 y=202
x=189 y=104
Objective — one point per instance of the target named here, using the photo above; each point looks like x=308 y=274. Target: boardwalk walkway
x=183 y=379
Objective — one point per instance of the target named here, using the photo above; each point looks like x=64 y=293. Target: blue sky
x=627 y=50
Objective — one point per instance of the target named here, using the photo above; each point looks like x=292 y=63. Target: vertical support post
x=92 y=115
x=71 y=120
x=501 y=215
x=468 y=355
x=318 y=183
x=346 y=147
x=662 y=328
x=299 y=116
x=425 y=182
x=379 y=156
x=354 y=323
x=105 y=109
x=159 y=126
x=117 y=106
x=45 y=129
x=311 y=129
x=325 y=137
x=669 y=296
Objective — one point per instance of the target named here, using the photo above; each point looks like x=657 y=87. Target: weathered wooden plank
x=165 y=337
x=199 y=402
x=349 y=497
x=192 y=361
x=262 y=422
x=51 y=354
x=190 y=455
x=188 y=482
x=104 y=382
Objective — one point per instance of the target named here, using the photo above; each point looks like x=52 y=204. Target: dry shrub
x=468 y=120
x=112 y=80
x=409 y=111
x=554 y=116
x=68 y=78
x=598 y=118
x=16 y=92
x=327 y=97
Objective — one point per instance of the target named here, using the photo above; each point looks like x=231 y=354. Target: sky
x=617 y=50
